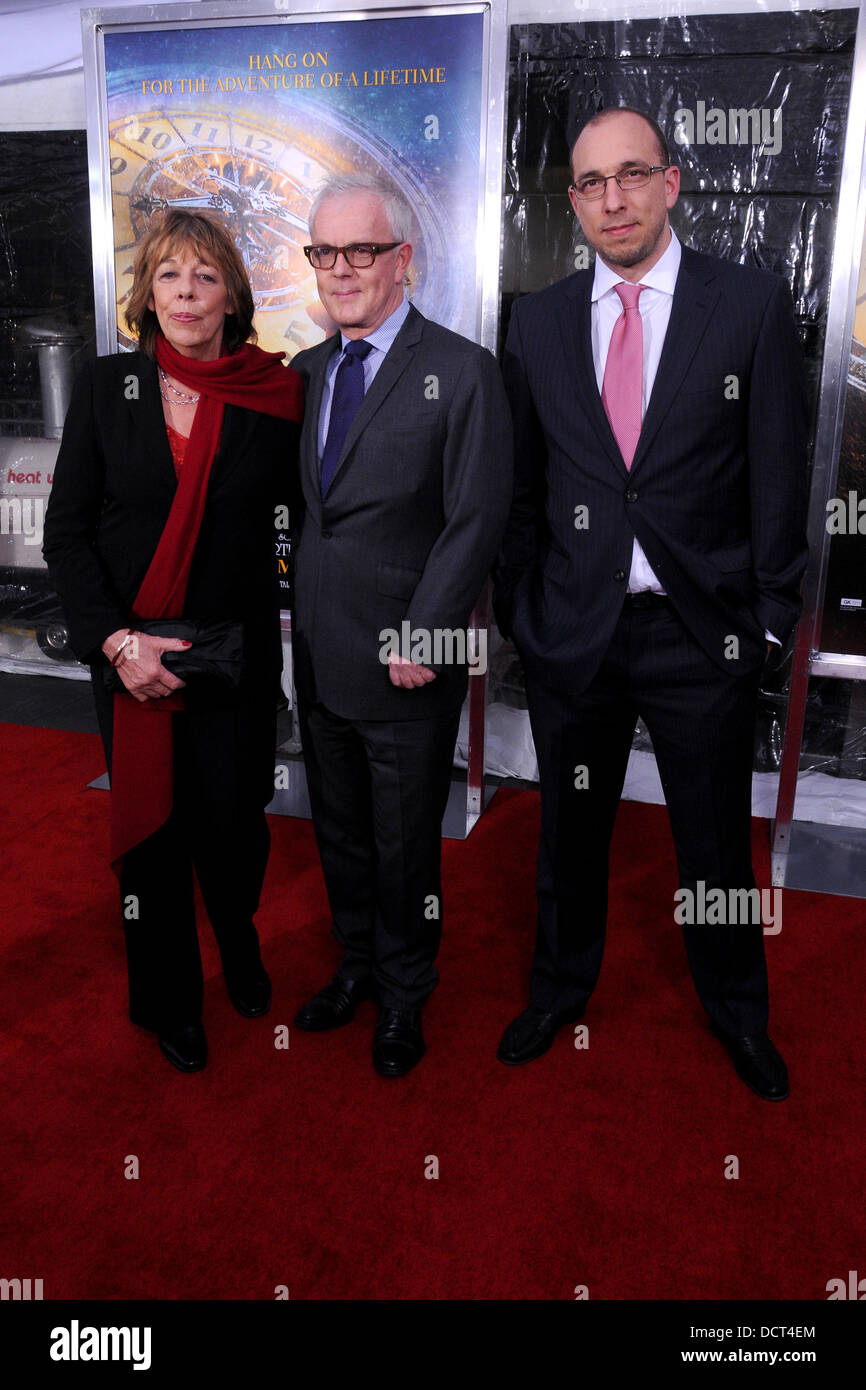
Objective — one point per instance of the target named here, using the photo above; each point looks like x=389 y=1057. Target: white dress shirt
x=654 y=305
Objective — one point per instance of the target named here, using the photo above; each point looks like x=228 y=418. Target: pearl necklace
x=181 y=396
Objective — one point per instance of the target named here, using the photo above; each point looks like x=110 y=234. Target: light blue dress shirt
x=380 y=341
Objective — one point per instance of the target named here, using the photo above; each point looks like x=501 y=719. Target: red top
x=177 y=443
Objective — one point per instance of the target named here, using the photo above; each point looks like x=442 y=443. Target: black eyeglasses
x=358 y=255
x=635 y=176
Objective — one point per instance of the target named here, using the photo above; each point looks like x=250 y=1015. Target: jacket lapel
x=580 y=367
x=397 y=359
x=238 y=427
x=149 y=426
x=312 y=407
x=148 y=421
x=695 y=299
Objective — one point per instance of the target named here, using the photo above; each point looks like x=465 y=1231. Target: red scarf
x=142 y=771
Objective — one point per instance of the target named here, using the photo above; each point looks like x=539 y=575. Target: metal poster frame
x=822 y=857
x=468 y=798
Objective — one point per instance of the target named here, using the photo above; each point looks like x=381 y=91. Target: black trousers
x=223 y=778
x=378 y=791
x=701 y=721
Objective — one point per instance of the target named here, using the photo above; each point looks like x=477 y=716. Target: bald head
x=662 y=152
x=627 y=226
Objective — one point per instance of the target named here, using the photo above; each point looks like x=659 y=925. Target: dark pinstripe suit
x=716 y=495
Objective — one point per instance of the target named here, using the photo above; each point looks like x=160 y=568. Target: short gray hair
x=397 y=210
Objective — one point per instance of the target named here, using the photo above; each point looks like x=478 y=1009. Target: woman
x=172 y=463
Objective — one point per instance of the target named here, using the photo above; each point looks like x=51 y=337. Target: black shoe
x=758 y=1063
x=531 y=1034
x=185 y=1048
x=398 y=1044
x=334 y=1005
x=252 y=997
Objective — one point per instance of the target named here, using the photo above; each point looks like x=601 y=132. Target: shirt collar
x=662 y=276
x=385 y=334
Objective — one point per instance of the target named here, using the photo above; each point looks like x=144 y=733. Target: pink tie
x=622 y=388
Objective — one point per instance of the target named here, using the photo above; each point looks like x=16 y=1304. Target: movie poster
x=248 y=119
x=843 y=626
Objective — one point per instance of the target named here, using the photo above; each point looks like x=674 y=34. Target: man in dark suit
x=653 y=556
x=406 y=475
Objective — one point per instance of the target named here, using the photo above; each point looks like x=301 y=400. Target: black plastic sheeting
x=771 y=203
x=45 y=259
x=739 y=201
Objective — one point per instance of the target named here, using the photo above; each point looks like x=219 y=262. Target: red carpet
x=602 y=1167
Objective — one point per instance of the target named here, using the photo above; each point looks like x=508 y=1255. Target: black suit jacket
x=410 y=523
x=717 y=489
x=113 y=487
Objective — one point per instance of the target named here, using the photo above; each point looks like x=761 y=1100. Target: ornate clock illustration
x=261 y=175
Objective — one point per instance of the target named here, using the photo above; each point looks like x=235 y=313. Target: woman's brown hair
x=177 y=233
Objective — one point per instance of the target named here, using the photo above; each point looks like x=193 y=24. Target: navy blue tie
x=348 y=395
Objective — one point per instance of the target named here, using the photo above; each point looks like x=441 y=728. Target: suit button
x=619 y=576
x=631 y=495
x=326 y=535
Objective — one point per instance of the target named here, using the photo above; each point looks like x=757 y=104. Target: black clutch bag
x=215 y=657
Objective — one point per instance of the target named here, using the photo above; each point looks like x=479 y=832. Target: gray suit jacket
x=410 y=523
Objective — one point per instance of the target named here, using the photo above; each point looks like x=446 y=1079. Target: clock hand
x=149 y=205
x=260 y=202
x=267 y=203
x=289 y=237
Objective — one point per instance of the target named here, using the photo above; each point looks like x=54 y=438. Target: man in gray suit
x=406 y=478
